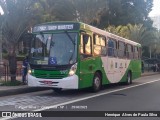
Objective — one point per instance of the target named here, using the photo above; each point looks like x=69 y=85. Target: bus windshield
x=54 y=49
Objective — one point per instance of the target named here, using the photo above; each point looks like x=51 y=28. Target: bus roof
x=110 y=35
x=72 y=25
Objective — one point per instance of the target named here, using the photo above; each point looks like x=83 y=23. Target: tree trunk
x=12 y=64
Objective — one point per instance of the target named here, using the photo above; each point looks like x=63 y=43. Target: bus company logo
x=6 y=114
x=10 y=115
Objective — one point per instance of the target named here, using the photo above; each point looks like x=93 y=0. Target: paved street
x=142 y=95
x=56 y=56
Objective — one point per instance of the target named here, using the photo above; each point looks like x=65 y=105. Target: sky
x=1 y=11
x=155 y=10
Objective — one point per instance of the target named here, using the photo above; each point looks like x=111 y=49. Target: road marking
x=93 y=96
x=85 y=98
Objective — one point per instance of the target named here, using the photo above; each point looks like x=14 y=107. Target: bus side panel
x=135 y=68
x=88 y=67
x=85 y=72
x=100 y=68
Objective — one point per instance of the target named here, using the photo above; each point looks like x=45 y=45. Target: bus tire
x=129 y=78
x=57 y=90
x=96 y=86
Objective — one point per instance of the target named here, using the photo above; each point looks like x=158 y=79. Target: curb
x=149 y=74
x=17 y=91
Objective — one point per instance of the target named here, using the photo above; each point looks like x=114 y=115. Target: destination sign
x=53 y=27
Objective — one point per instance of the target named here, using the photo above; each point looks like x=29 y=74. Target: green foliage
x=71 y=10
x=138 y=33
x=157 y=42
x=9 y=83
x=141 y=34
x=100 y=13
x=20 y=58
x=119 y=30
x=5 y=55
x=16 y=20
x=149 y=38
x=123 y=12
x=17 y=15
x=20 y=15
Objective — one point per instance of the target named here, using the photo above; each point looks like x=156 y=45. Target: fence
x=150 y=63
x=4 y=71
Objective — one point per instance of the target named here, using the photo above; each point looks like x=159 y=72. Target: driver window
x=85 y=45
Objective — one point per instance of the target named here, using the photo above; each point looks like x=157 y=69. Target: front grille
x=49 y=74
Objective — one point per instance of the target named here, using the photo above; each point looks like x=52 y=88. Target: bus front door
x=87 y=68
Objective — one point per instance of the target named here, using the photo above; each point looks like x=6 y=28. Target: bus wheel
x=129 y=78
x=57 y=90
x=96 y=82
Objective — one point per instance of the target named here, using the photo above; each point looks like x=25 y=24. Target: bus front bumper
x=70 y=82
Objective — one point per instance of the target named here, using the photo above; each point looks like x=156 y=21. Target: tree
x=119 y=30
x=144 y=36
x=1 y=21
x=72 y=10
x=123 y=12
x=138 y=33
x=156 y=46
x=87 y=10
x=17 y=15
x=44 y=11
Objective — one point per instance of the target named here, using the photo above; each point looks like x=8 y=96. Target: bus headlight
x=73 y=70
x=29 y=71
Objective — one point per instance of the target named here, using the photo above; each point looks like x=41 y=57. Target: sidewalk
x=146 y=73
x=13 y=90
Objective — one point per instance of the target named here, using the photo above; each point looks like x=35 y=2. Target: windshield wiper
x=70 y=37
x=42 y=35
x=73 y=44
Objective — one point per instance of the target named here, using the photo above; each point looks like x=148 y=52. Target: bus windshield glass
x=54 y=49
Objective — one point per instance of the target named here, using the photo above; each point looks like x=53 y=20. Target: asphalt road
x=142 y=95
x=140 y=98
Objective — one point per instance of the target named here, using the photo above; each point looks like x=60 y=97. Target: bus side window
x=115 y=48
x=121 y=48
x=99 y=42
x=129 y=52
x=85 y=46
x=110 y=47
x=139 y=52
x=136 y=53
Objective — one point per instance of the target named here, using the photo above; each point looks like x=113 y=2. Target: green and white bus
x=74 y=55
